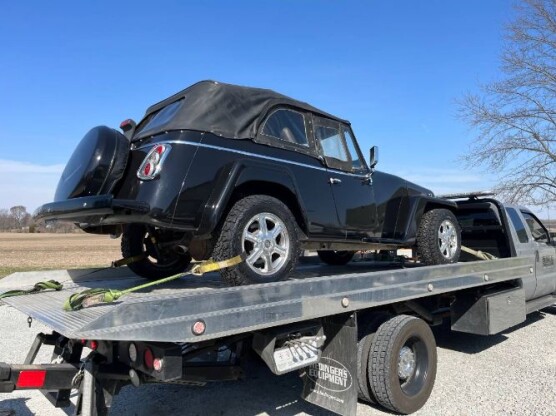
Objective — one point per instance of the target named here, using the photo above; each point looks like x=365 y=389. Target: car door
x=288 y=131
x=545 y=267
x=348 y=178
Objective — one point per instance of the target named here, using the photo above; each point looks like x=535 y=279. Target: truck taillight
x=152 y=164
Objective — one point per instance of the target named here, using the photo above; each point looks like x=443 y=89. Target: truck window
x=518 y=225
x=286 y=125
x=538 y=232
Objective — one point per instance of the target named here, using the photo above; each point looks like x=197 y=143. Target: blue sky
x=394 y=69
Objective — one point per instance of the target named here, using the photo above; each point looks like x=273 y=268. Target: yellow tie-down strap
x=211 y=265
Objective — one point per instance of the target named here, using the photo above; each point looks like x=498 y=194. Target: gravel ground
x=513 y=373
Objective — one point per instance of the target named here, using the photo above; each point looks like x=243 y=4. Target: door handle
x=334 y=181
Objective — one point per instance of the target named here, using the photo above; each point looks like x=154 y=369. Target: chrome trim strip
x=241 y=152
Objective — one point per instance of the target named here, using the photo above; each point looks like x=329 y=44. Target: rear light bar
x=152 y=164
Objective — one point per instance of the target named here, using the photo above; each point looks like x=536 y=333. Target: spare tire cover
x=95 y=166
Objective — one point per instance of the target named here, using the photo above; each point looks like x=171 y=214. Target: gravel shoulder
x=513 y=373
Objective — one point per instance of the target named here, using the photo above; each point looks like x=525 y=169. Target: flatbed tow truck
x=356 y=332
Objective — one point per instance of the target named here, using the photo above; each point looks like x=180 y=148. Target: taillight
x=148 y=359
x=31 y=379
x=152 y=164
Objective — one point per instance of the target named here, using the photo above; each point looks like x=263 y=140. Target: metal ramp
x=167 y=313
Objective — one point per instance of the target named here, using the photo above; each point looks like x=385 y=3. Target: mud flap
x=332 y=383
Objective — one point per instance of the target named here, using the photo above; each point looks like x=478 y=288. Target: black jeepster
x=218 y=169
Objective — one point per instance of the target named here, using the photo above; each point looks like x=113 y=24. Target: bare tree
x=20 y=215
x=515 y=117
x=6 y=220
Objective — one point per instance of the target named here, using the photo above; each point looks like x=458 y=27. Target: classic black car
x=219 y=169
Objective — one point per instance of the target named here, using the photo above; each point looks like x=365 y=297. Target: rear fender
x=248 y=177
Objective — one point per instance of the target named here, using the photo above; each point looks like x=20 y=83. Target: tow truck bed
x=167 y=313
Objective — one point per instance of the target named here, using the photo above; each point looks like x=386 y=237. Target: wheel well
x=429 y=206
x=271 y=189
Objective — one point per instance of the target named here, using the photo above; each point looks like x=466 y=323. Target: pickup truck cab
x=217 y=169
x=505 y=230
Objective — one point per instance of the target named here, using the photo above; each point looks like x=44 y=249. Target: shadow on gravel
x=474 y=344
x=15 y=407
x=260 y=392
x=550 y=310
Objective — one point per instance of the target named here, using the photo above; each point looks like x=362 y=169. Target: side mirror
x=373 y=157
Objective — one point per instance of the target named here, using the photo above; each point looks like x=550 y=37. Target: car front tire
x=439 y=238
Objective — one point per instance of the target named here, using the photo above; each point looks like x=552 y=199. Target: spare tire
x=96 y=165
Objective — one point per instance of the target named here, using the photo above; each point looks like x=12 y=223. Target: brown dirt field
x=23 y=252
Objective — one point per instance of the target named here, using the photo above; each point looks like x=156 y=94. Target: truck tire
x=264 y=228
x=439 y=237
x=366 y=331
x=336 y=258
x=402 y=364
x=136 y=241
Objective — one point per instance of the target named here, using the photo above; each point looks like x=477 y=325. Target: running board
x=540 y=303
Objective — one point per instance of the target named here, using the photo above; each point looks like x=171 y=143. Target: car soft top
x=223 y=109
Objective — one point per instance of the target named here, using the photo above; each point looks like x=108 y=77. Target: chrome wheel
x=447 y=239
x=266 y=242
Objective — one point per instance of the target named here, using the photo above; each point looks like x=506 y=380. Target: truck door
x=348 y=177
x=523 y=248
x=545 y=253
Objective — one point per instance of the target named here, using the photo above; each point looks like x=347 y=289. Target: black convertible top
x=226 y=110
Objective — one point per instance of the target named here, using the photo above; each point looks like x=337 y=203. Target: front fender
x=418 y=206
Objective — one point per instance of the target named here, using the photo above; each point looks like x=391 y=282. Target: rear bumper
x=81 y=209
x=33 y=377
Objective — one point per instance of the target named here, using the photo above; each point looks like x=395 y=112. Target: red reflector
x=147 y=169
x=148 y=358
x=31 y=379
x=199 y=328
x=159 y=149
x=125 y=123
x=93 y=345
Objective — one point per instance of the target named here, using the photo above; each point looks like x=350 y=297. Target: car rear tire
x=439 y=237
x=402 y=364
x=264 y=228
x=137 y=240
x=335 y=258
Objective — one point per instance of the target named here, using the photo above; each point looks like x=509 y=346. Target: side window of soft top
x=286 y=125
x=337 y=146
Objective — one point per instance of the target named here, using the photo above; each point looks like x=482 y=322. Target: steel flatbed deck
x=166 y=313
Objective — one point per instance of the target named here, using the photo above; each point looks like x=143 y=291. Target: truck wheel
x=439 y=237
x=136 y=240
x=402 y=364
x=336 y=258
x=265 y=229
x=366 y=332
